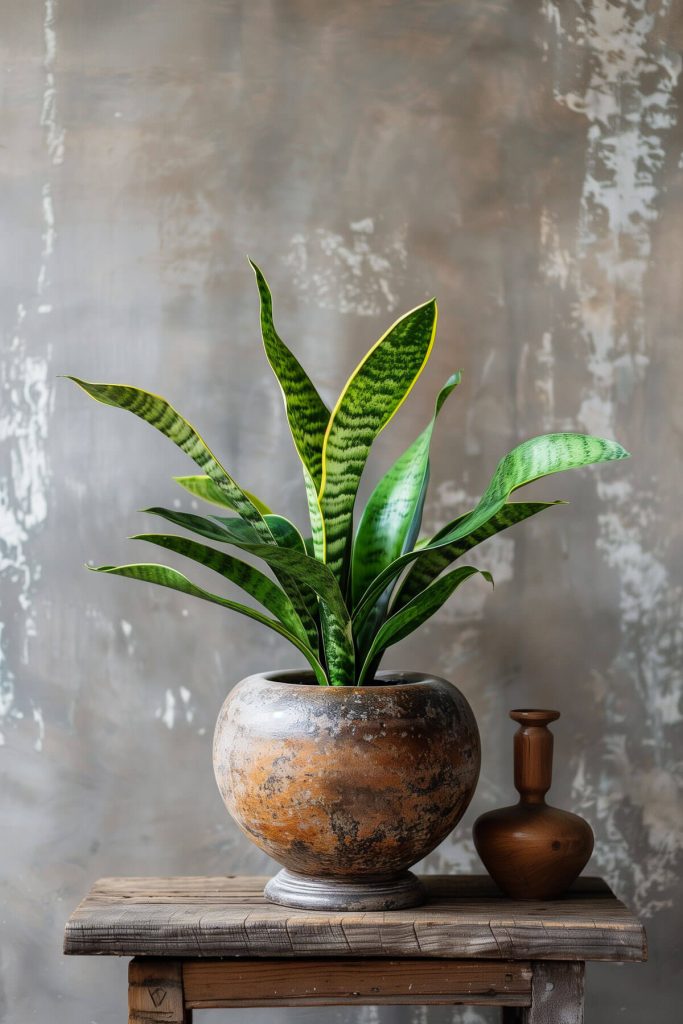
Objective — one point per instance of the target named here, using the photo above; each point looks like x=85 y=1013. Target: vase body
x=348 y=786
x=533 y=850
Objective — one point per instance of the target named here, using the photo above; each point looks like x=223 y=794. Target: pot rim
x=391 y=679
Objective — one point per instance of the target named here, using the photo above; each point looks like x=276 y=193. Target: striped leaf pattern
x=370 y=398
x=284 y=533
x=165 y=576
x=307 y=414
x=392 y=516
x=287 y=536
x=432 y=564
x=417 y=611
x=530 y=460
x=337 y=601
x=245 y=576
x=203 y=487
x=304 y=569
x=163 y=417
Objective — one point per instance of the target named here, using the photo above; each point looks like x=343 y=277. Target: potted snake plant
x=345 y=775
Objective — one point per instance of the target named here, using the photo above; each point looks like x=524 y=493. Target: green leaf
x=373 y=393
x=307 y=414
x=427 y=568
x=417 y=611
x=285 y=532
x=301 y=566
x=297 y=564
x=163 y=417
x=204 y=527
x=251 y=580
x=287 y=536
x=164 y=576
x=203 y=487
x=339 y=651
x=530 y=460
x=391 y=519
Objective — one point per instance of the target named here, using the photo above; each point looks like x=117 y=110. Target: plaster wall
x=520 y=160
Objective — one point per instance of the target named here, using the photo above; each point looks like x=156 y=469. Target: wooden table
x=200 y=943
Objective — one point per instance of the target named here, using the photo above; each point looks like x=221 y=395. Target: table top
x=465 y=918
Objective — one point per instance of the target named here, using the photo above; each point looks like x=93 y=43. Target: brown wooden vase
x=346 y=786
x=533 y=850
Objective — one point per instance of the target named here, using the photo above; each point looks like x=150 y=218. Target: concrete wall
x=522 y=161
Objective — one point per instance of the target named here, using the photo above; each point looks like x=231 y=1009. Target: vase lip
x=385 y=680
x=534 y=716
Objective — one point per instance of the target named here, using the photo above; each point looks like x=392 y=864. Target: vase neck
x=533 y=754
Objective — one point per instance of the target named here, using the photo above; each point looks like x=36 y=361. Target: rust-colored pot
x=346 y=786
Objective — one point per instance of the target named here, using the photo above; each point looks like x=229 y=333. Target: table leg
x=556 y=995
x=155 y=992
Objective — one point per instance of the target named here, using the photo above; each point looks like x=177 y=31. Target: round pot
x=346 y=786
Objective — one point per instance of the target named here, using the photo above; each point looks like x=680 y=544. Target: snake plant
x=341 y=596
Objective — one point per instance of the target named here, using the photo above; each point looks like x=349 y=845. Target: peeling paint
x=629 y=105
x=350 y=272
x=26 y=406
x=175 y=706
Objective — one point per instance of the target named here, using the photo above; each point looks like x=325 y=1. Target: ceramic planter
x=347 y=787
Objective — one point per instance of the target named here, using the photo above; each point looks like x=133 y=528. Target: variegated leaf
x=300 y=566
x=163 y=417
x=164 y=576
x=392 y=516
x=372 y=395
x=531 y=460
x=203 y=487
x=245 y=576
x=304 y=599
x=417 y=611
x=432 y=564
x=307 y=414
x=285 y=534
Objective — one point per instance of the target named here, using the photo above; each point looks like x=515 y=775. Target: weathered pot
x=346 y=786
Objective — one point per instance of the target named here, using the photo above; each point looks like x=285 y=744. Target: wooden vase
x=533 y=850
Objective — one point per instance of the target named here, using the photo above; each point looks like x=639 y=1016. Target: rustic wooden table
x=200 y=943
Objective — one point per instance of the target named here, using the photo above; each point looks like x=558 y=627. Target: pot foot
x=307 y=892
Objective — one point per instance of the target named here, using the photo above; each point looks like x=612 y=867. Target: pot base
x=309 y=893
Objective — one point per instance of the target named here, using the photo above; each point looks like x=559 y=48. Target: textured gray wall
x=520 y=160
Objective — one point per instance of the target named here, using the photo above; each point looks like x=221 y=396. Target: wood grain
x=234 y=983
x=465 y=918
x=155 y=993
x=531 y=849
x=556 y=994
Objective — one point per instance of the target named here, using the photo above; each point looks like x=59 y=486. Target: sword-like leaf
x=392 y=516
x=427 y=568
x=417 y=611
x=163 y=417
x=298 y=564
x=285 y=532
x=164 y=576
x=373 y=393
x=307 y=414
x=530 y=460
x=248 y=578
x=203 y=487
x=301 y=567
x=287 y=536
